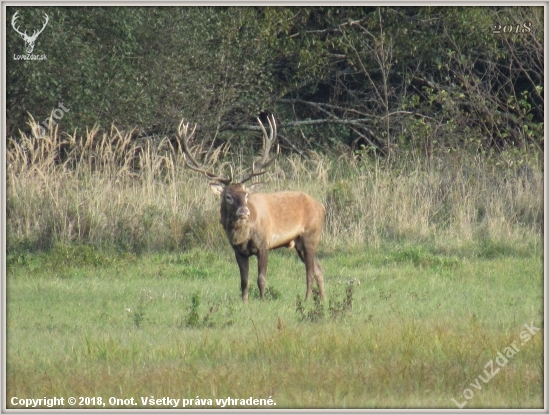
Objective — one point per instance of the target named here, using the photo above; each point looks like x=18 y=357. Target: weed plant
x=336 y=309
x=214 y=318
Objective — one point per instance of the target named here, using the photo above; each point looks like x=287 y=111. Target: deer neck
x=238 y=230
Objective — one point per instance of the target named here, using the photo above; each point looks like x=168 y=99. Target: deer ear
x=216 y=188
x=253 y=188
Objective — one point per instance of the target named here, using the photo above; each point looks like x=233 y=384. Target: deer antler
x=268 y=141
x=183 y=136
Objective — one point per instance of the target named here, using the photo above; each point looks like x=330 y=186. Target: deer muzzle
x=242 y=212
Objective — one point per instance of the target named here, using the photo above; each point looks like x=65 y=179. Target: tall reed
x=112 y=189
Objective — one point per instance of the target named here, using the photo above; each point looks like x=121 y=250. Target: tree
x=389 y=78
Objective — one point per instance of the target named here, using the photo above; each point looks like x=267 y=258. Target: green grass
x=445 y=255
x=424 y=323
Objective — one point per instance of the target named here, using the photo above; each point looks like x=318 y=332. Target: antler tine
x=13 y=22
x=272 y=139
x=183 y=138
x=190 y=161
x=37 y=32
x=267 y=143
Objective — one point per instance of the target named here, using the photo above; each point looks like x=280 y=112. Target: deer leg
x=312 y=267
x=318 y=272
x=319 y=278
x=262 y=270
x=309 y=260
x=242 y=260
x=301 y=254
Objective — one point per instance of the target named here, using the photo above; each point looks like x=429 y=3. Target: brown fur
x=269 y=221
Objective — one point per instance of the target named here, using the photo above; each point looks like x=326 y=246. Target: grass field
x=122 y=289
x=421 y=328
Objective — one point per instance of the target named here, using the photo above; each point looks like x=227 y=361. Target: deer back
x=283 y=216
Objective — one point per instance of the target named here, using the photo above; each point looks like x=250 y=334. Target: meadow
x=121 y=285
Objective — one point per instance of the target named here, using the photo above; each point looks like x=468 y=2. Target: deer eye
x=229 y=198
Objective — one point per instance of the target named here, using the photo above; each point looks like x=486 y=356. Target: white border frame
x=3 y=58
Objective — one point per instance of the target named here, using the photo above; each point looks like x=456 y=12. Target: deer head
x=29 y=40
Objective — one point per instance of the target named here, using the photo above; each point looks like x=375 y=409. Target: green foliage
x=193 y=318
x=316 y=313
x=389 y=78
x=90 y=60
x=496 y=249
x=419 y=256
x=62 y=259
x=137 y=315
x=270 y=293
x=144 y=66
x=337 y=309
x=213 y=318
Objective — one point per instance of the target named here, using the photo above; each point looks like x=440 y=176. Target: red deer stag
x=257 y=222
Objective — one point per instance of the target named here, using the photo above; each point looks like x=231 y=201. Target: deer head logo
x=29 y=40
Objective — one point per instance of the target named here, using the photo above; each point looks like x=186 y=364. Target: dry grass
x=399 y=364
x=111 y=189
